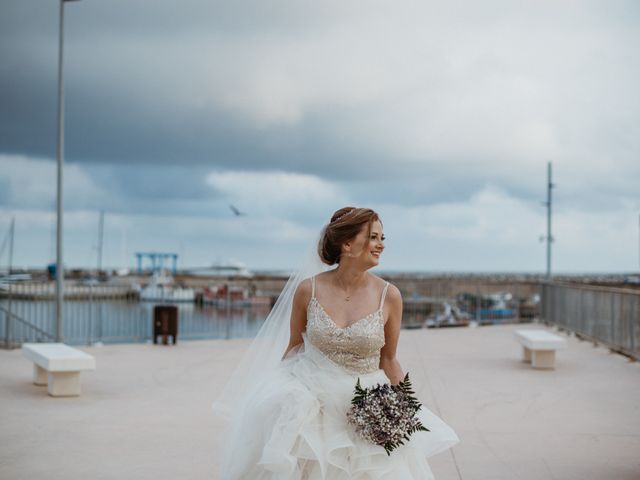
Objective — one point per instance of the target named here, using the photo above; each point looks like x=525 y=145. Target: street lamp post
x=60 y=161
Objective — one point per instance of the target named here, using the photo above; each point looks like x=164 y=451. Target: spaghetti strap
x=313 y=286
x=384 y=294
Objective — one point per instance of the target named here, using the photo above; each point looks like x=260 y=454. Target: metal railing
x=14 y=327
x=110 y=314
x=103 y=313
x=27 y=313
x=607 y=315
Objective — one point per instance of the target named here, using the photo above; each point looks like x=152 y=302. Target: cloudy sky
x=441 y=116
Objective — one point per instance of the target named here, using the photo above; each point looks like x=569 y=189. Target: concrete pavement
x=145 y=412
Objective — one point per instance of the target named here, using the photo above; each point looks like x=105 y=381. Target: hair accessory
x=344 y=215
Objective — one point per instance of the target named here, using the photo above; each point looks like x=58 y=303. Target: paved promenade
x=145 y=412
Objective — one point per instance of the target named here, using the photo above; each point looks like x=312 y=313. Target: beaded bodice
x=357 y=346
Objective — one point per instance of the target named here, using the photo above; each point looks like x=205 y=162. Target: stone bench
x=539 y=347
x=58 y=366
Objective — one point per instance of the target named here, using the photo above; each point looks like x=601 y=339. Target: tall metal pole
x=60 y=158
x=549 y=236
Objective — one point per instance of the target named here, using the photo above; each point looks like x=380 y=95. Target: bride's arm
x=298 y=322
x=388 y=361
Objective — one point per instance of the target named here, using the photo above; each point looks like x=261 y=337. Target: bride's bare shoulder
x=303 y=290
x=324 y=274
x=394 y=295
x=393 y=292
x=378 y=281
x=323 y=277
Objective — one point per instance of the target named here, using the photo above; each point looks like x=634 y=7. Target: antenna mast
x=548 y=204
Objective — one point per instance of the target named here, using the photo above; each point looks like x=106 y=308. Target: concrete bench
x=539 y=347
x=58 y=366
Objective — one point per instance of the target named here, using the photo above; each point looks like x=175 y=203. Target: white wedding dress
x=294 y=425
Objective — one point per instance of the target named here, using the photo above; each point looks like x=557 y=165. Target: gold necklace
x=348 y=297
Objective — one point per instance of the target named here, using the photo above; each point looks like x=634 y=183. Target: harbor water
x=107 y=322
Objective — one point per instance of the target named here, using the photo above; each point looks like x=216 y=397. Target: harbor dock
x=145 y=412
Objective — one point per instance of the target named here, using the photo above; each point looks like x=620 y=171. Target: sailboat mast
x=100 y=240
x=11 y=235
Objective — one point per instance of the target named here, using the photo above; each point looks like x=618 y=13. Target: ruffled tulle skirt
x=293 y=426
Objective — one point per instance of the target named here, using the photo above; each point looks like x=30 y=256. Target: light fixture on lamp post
x=60 y=162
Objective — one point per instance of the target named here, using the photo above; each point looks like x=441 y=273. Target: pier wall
x=437 y=287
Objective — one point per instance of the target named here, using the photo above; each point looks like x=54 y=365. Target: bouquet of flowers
x=386 y=414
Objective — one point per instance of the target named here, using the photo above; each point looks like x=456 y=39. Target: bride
x=286 y=402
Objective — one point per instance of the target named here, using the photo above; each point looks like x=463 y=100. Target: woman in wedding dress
x=343 y=324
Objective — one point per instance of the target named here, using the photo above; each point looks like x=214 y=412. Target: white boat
x=162 y=289
x=448 y=315
x=230 y=269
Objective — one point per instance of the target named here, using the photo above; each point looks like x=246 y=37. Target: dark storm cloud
x=441 y=116
x=125 y=189
x=384 y=100
x=111 y=118
x=171 y=183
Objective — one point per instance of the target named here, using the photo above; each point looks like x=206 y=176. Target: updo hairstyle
x=345 y=224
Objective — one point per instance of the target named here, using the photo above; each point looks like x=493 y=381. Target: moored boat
x=162 y=288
